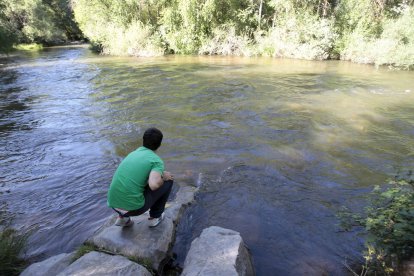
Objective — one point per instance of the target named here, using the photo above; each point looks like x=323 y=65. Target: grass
x=29 y=47
x=83 y=250
x=86 y=248
x=11 y=245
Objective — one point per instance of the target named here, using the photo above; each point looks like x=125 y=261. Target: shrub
x=389 y=224
x=11 y=245
x=224 y=41
x=394 y=46
x=7 y=33
x=136 y=40
x=29 y=47
x=302 y=36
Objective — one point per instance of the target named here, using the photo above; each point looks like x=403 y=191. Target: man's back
x=131 y=177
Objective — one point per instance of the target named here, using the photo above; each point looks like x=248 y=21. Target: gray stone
x=408 y=268
x=49 y=267
x=141 y=243
x=100 y=264
x=218 y=251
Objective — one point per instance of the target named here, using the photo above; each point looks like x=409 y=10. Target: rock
x=184 y=197
x=408 y=268
x=49 y=267
x=218 y=251
x=141 y=243
x=96 y=263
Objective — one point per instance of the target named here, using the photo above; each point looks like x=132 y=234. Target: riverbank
x=359 y=31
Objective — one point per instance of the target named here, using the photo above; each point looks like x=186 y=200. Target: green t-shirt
x=127 y=188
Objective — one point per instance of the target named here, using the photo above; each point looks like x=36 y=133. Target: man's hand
x=167 y=176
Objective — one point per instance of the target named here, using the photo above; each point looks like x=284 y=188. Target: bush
x=118 y=28
x=364 y=31
x=136 y=40
x=394 y=46
x=389 y=224
x=224 y=41
x=11 y=245
x=29 y=47
x=7 y=34
x=302 y=36
x=7 y=38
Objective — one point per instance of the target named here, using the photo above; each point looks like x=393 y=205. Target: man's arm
x=155 y=179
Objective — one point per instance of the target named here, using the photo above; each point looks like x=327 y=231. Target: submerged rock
x=96 y=263
x=49 y=267
x=151 y=246
x=218 y=251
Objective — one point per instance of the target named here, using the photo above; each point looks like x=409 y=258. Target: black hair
x=152 y=138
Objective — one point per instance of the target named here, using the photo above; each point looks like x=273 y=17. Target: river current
x=276 y=146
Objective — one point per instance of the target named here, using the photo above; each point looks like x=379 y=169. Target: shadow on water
x=14 y=104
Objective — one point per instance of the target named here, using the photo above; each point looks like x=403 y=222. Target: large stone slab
x=141 y=243
x=218 y=251
x=49 y=267
x=101 y=264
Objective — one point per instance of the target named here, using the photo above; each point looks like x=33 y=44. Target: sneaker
x=155 y=221
x=124 y=221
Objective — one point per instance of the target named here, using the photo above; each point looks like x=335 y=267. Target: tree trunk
x=259 y=19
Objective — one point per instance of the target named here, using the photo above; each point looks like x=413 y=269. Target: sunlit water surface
x=276 y=146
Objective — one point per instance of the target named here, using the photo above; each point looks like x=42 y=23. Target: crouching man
x=140 y=183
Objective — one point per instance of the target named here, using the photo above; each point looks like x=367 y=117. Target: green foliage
x=34 y=21
x=304 y=36
x=39 y=21
x=11 y=245
x=29 y=47
x=120 y=27
x=63 y=18
x=393 y=46
x=365 y=31
x=225 y=41
x=83 y=250
x=7 y=35
x=389 y=224
x=186 y=25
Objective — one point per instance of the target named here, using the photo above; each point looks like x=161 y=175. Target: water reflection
x=13 y=104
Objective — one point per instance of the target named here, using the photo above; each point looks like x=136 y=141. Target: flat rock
x=218 y=251
x=141 y=243
x=50 y=266
x=96 y=263
x=408 y=268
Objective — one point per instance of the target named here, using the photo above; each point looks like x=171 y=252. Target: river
x=276 y=146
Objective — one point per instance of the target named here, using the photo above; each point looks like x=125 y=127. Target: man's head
x=152 y=138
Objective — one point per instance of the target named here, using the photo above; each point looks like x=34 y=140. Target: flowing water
x=276 y=146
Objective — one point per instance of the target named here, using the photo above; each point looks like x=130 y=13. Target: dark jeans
x=154 y=201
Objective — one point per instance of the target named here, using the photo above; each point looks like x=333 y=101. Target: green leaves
x=389 y=224
x=41 y=21
x=11 y=245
